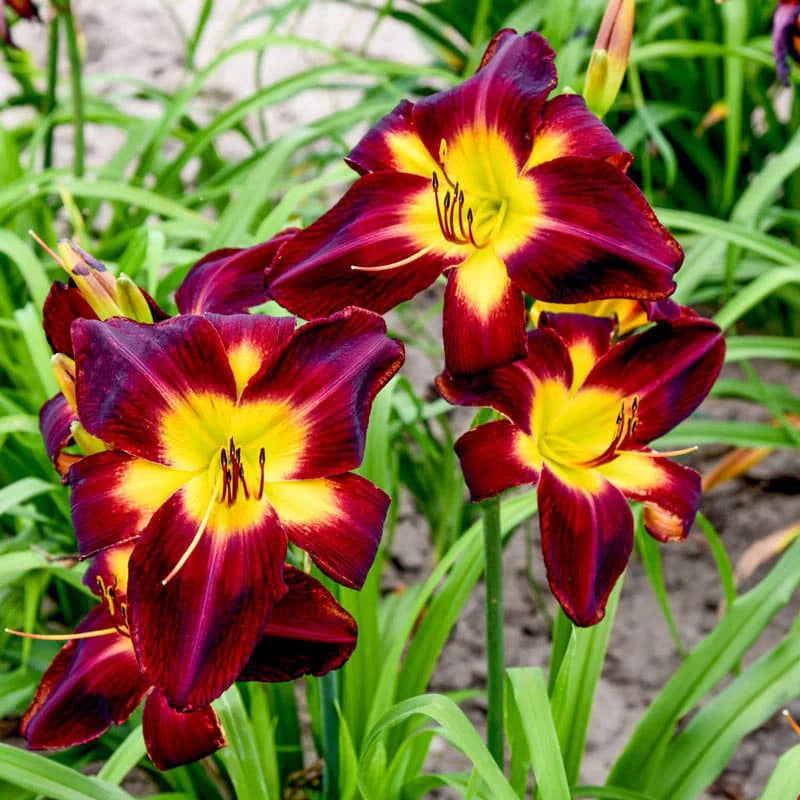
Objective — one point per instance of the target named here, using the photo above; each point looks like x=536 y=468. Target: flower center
x=233 y=479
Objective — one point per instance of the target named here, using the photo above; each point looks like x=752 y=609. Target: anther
x=262 y=460
x=244 y=483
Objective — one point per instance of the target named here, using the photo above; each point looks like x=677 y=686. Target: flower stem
x=329 y=692
x=50 y=97
x=495 y=657
x=77 y=87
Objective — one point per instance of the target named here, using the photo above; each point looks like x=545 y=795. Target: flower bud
x=97 y=285
x=132 y=302
x=609 y=56
x=88 y=444
x=64 y=372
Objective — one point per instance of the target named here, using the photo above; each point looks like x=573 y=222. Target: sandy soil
x=142 y=40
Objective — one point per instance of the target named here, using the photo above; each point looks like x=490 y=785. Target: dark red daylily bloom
x=580 y=414
x=506 y=191
x=786 y=37
x=627 y=315
x=224 y=282
x=95 y=679
x=231 y=434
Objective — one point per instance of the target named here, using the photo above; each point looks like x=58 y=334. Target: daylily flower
x=506 y=191
x=786 y=37
x=580 y=415
x=627 y=315
x=226 y=281
x=95 y=679
x=230 y=434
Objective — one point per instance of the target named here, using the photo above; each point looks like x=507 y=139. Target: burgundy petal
x=493 y=459
x=55 y=419
x=194 y=634
x=510 y=389
x=482 y=329
x=129 y=375
x=568 y=128
x=587 y=537
x=114 y=495
x=670 y=491
x=595 y=237
x=309 y=633
x=229 y=281
x=62 y=306
x=338 y=521
x=392 y=144
x=505 y=96
x=671 y=367
x=371 y=226
x=175 y=737
x=251 y=340
x=329 y=374
x=90 y=684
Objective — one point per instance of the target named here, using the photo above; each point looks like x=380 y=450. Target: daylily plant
x=95 y=679
x=580 y=416
x=786 y=37
x=224 y=281
x=505 y=191
x=227 y=435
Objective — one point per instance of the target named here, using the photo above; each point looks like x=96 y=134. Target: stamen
x=48 y=250
x=195 y=541
x=62 y=637
x=453 y=211
x=262 y=460
x=790 y=719
x=395 y=264
x=244 y=483
x=669 y=453
x=470 y=220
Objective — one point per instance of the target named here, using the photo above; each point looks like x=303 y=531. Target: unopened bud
x=609 y=56
x=88 y=444
x=64 y=372
x=96 y=283
x=132 y=301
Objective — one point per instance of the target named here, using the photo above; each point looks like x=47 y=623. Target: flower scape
x=213 y=456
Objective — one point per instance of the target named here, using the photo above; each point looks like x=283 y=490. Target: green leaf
x=456 y=728
x=703 y=669
x=21 y=491
x=785 y=780
x=241 y=756
x=124 y=757
x=530 y=694
x=576 y=684
x=700 y=752
x=42 y=776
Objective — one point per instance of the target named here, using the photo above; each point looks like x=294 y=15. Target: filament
x=795 y=727
x=48 y=250
x=62 y=637
x=195 y=541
